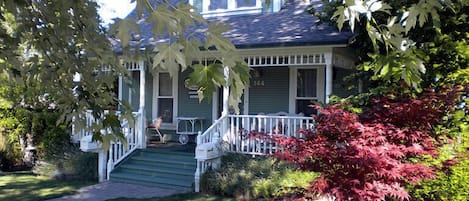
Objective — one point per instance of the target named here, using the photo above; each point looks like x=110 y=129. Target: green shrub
x=450 y=185
x=246 y=178
x=74 y=165
x=287 y=181
x=10 y=149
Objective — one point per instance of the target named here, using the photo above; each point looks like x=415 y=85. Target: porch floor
x=172 y=146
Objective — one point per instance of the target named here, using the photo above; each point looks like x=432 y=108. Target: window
x=306 y=88
x=165 y=98
x=212 y=8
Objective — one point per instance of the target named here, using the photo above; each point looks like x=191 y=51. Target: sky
x=114 y=8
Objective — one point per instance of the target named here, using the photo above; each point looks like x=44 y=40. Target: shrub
x=375 y=155
x=247 y=178
x=283 y=183
x=451 y=184
x=75 y=165
x=10 y=149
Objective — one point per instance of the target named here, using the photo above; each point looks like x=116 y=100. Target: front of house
x=294 y=62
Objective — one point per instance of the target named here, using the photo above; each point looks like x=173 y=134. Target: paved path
x=110 y=190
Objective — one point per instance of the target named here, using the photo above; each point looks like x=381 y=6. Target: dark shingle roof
x=291 y=26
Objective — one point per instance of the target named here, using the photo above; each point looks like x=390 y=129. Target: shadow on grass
x=180 y=197
x=26 y=186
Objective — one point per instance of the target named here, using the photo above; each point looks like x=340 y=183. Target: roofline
x=343 y=43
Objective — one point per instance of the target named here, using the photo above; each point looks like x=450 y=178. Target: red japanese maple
x=368 y=157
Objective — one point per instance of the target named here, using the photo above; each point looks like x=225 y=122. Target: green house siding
x=131 y=92
x=191 y=107
x=340 y=86
x=269 y=93
x=148 y=95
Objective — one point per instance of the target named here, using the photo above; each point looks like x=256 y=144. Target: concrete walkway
x=110 y=190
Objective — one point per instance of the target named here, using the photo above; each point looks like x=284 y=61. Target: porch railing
x=212 y=133
x=234 y=134
x=239 y=139
x=118 y=150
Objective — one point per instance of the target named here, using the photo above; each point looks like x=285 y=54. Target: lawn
x=180 y=197
x=25 y=186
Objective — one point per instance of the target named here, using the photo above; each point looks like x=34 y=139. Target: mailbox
x=207 y=151
x=88 y=145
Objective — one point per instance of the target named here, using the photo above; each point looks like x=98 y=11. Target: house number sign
x=258 y=83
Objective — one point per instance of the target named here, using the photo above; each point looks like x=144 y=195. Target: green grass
x=25 y=186
x=180 y=197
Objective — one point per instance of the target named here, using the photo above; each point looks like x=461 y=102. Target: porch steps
x=166 y=168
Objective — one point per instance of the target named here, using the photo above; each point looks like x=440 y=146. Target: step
x=169 y=155
x=151 y=180
x=156 y=161
x=188 y=178
x=120 y=180
x=151 y=170
x=173 y=151
x=188 y=166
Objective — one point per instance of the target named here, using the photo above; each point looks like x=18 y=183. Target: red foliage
x=367 y=157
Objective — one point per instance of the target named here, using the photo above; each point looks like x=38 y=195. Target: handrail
x=208 y=134
x=117 y=151
x=216 y=130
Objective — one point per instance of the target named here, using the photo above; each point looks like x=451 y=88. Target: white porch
x=230 y=132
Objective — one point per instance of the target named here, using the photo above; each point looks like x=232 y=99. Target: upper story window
x=212 y=8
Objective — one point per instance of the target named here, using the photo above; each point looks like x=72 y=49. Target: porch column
x=329 y=76
x=142 y=105
x=120 y=83
x=226 y=91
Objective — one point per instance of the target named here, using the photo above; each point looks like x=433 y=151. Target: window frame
x=231 y=9
x=320 y=86
x=156 y=97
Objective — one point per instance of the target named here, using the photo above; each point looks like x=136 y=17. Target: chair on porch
x=154 y=128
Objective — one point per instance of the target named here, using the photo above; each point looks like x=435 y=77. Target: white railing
x=119 y=150
x=78 y=134
x=233 y=134
x=240 y=137
x=212 y=133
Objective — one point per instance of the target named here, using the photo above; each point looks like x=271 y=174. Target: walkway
x=110 y=190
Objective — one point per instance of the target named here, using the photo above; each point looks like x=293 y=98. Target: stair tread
x=181 y=188
x=152 y=179
x=168 y=160
x=152 y=168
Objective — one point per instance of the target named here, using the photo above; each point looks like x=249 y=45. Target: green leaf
x=123 y=29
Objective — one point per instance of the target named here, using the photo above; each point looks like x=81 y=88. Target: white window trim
x=169 y=126
x=293 y=86
x=231 y=10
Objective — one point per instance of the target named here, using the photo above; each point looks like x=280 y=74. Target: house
x=293 y=61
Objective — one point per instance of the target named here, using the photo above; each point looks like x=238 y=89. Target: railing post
x=197 y=177
x=102 y=156
x=110 y=166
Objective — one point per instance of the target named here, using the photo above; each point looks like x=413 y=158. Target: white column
x=142 y=105
x=226 y=91
x=329 y=76
x=120 y=91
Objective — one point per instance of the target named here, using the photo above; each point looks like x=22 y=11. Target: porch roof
x=291 y=26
